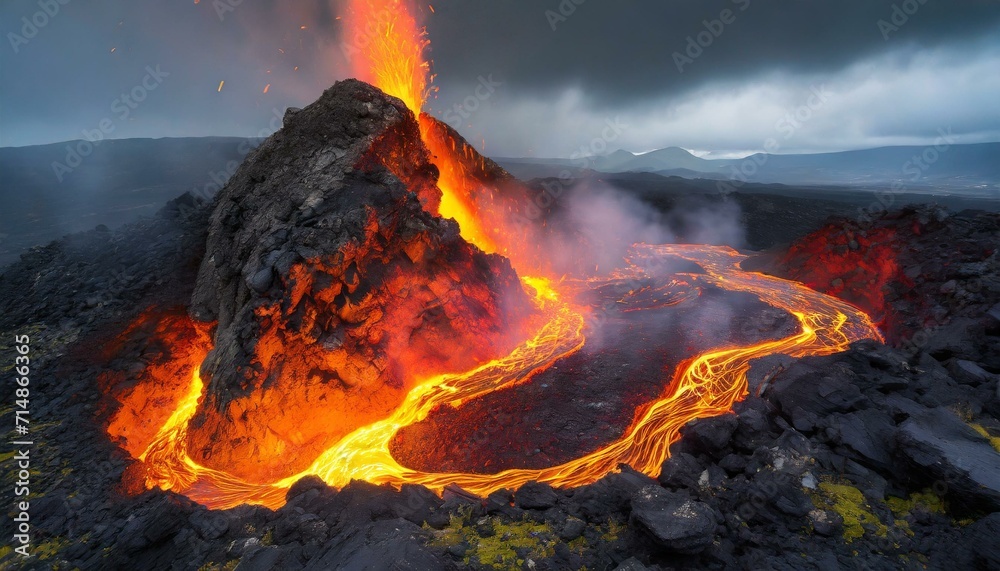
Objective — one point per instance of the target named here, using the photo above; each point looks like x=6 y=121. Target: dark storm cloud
x=620 y=52
x=717 y=75
x=511 y=81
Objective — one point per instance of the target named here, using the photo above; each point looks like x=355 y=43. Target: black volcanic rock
x=385 y=544
x=939 y=443
x=982 y=538
x=711 y=435
x=535 y=496
x=868 y=434
x=803 y=389
x=993 y=314
x=335 y=287
x=678 y=523
x=610 y=495
x=681 y=470
x=970 y=372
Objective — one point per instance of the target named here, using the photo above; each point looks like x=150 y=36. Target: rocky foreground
x=876 y=458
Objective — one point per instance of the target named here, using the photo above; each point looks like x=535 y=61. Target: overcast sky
x=553 y=73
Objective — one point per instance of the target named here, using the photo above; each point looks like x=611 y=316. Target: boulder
x=572 y=529
x=869 y=435
x=993 y=314
x=804 y=389
x=631 y=564
x=536 y=496
x=710 y=435
x=969 y=372
x=677 y=522
x=945 y=449
x=681 y=470
x=271 y=557
x=611 y=495
x=502 y=502
x=153 y=523
x=387 y=544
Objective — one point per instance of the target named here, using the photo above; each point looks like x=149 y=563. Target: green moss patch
x=927 y=501
x=498 y=543
x=994 y=440
x=852 y=507
x=499 y=549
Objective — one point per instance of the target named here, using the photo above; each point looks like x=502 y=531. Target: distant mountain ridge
x=122 y=179
x=950 y=165
x=625 y=161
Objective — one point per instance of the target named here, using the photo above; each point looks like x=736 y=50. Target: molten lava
x=393 y=61
x=856 y=266
x=705 y=385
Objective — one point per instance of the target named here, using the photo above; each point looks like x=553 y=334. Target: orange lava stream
x=704 y=386
x=455 y=192
x=707 y=385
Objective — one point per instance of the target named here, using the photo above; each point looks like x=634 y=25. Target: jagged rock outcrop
x=335 y=287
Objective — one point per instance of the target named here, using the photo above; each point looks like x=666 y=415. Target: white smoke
x=593 y=225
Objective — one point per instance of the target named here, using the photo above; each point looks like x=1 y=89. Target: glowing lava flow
x=704 y=386
x=363 y=454
x=707 y=385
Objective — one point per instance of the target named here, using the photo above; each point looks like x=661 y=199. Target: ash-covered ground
x=876 y=458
